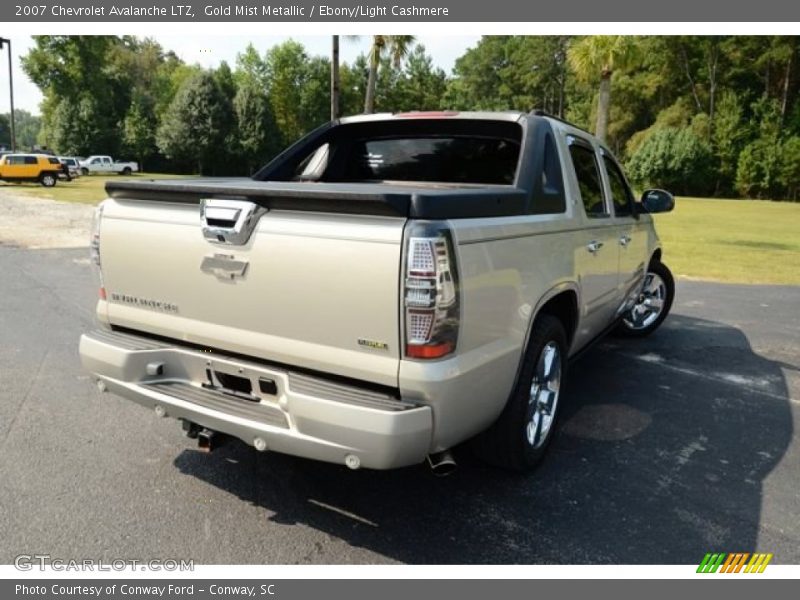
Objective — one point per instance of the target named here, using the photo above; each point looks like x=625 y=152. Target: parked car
x=387 y=288
x=105 y=164
x=31 y=167
x=72 y=166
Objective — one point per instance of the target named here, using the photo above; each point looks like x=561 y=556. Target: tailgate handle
x=229 y=222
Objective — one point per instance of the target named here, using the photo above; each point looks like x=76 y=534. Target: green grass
x=86 y=190
x=742 y=241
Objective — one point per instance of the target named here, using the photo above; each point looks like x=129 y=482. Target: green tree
x=599 y=56
x=758 y=171
x=77 y=128
x=298 y=89
x=251 y=68
x=395 y=47
x=677 y=159
x=257 y=132
x=789 y=171
x=139 y=130
x=76 y=73
x=730 y=133
x=422 y=85
x=195 y=124
x=27 y=128
x=5 y=131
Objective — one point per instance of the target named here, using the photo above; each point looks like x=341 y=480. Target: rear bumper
x=306 y=416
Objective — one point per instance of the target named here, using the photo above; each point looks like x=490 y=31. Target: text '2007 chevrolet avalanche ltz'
x=386 y=288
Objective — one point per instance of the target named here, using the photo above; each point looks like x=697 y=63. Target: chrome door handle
x=625 y=240
x=594 y=246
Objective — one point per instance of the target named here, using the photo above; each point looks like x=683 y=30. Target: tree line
x=700 y=115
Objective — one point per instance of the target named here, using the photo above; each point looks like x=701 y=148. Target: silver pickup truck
x=386 y=288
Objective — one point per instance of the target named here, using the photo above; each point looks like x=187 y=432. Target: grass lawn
x=743 y=241
x=89 y=189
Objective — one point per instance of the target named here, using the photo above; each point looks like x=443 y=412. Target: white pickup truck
x=105 y=164
x=388 y=287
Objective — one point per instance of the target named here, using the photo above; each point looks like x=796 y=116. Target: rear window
x=431 y=159
x=456 y=151
x=54 y=161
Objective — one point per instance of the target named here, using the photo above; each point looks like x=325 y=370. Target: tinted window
x=549 y=197
x=453 y=152
x=620 y=192
x=442 y=159
x=15 y=160
x=31 y=160
x=588 y=175
x=54 y=161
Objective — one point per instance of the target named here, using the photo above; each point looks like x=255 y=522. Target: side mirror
x=657 y=201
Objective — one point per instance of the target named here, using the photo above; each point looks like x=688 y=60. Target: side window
x=31 y=160
x=313 y=166
x=620 y=192
x=548 y=195
x=96 y=161
x=588 y=175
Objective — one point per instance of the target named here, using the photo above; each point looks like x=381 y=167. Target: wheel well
x=564 y=307
x=656 y=256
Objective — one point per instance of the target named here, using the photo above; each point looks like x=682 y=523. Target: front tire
x=519 y=438
x=653 y=304
x=48 y=180
x=84 y=171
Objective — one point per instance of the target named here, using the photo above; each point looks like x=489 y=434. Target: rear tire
x=653 y=304
x=48 y=179
x=126 y=171
x=518 y=440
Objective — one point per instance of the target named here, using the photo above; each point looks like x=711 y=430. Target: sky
x=209 y=51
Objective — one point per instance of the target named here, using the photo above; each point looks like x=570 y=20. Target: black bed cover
x=416 y=201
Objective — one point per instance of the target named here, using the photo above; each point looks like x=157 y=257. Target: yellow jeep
x=30 y=167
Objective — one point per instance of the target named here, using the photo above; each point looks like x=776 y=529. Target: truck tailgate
x=309 y=289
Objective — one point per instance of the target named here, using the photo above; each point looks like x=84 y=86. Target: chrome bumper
x=298 y=414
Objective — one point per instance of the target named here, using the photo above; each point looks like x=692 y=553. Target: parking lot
x=670 y=447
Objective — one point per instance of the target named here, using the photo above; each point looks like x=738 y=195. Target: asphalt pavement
x=670 y=447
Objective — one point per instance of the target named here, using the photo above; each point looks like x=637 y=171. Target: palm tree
x=335 y=78
x=396 y=47
x=602 y=55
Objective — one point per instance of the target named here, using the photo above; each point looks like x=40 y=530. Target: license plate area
x=230 y=384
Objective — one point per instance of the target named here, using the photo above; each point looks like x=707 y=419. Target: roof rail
x=538 y=112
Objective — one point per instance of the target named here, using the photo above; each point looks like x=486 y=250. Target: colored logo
x=734 y=562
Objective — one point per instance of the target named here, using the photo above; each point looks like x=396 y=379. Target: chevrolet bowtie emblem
x=223 y=266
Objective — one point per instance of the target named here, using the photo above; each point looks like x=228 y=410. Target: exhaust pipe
x=442 y=463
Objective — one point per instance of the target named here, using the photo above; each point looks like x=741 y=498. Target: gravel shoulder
x=38 y=223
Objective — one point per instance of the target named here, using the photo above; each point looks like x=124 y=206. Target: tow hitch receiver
x=207 y=439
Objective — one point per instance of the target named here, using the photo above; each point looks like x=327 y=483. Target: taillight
x=430 y=291
x=94 y=250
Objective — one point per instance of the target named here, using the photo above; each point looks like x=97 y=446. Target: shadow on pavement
x=663 y=447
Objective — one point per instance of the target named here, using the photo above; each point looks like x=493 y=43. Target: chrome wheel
x=543 y=398
x=649 y=304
